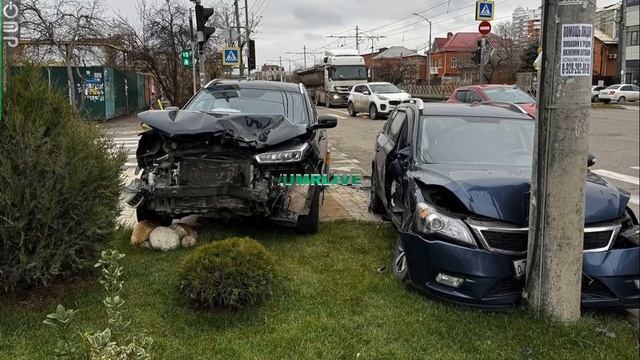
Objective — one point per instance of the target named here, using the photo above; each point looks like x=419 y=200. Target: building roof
x=396 y=52
x=604 y=37
x=467 y=41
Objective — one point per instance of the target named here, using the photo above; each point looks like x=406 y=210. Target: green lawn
x=332 y=304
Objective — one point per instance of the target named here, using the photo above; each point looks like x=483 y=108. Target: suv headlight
x=283 y=156
x=382 y=97
x=430 y=221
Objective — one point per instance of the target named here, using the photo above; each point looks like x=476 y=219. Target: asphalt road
x=614 y=140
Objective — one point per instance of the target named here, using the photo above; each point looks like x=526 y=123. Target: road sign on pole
x=484 y=28
x=485 y=10
x=231 y=56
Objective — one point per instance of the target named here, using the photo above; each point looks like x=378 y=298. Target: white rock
x=188 y=241
x=179 y=229
x=163 y=238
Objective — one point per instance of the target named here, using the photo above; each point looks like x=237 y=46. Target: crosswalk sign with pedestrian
x=230 y=56
x=485 y=10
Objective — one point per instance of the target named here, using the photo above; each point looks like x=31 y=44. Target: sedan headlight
x=382 y=97
x=336 y=96
x=283 y=156
x=430 y=221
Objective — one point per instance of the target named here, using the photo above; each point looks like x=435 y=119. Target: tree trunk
x=70 y=82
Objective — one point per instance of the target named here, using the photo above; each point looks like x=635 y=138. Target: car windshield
x=228 y=100
x=349 y=72
x=476 y=140
x=511 y=95
x=614 y=87
x=384 y=89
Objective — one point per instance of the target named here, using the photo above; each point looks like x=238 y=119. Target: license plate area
x=198 y=172
x=519 y=268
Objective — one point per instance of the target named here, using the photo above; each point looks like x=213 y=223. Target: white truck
x=330 y=83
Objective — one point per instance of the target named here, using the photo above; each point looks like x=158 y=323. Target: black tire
x=621 y=99
x=145 y=214
x=308 y=224
x=375 y=204
x=351 y=110
x=399 y=264
x=373 y=112
x=595 y=98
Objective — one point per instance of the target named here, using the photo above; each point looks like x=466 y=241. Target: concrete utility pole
x=241 y=67
x=429 y=52
x=357 y=39
x=246 y=23
x=556 y=221
x=621 y=43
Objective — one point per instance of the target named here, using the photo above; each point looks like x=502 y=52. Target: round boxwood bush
x=59 y=185
x=229 y=274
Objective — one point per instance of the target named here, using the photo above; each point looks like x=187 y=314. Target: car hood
x=396 y=96
x=257 y=130
x=503 y=192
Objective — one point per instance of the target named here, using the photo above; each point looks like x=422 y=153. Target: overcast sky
x=288 y=25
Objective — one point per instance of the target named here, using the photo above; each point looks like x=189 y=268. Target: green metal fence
x=109 y=92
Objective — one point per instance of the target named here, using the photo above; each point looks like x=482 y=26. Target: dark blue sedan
x=455 y=180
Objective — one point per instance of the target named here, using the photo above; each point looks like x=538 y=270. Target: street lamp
x=428 y=53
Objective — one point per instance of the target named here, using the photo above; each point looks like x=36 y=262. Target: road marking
x=634 y=200
x=617 y=176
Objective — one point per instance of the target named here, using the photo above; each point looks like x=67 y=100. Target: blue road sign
x=485 y=10
x=231 y=56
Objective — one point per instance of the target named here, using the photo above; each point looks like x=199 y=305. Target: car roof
x=487 y=86
x=472 y=110
x=379 y=83
x=257 y=84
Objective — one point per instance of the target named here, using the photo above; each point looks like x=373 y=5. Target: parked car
x=223 y=154
x=595 y=92
x=495 y=93
x=455 y=180
x=377 y=98
x=620 y=93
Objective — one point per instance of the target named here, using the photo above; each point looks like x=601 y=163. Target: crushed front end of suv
x=223 y=154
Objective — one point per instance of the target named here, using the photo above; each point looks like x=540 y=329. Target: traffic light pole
x=556 y=221
x=194 y=57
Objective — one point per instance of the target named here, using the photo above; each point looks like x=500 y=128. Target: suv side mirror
x=326 y=122
x=591 y=160
x=366 y=92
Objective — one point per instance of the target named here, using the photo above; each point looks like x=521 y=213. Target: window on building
x=454 y=63
x=632 y=38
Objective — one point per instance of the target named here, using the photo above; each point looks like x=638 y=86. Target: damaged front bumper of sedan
x=216 y=175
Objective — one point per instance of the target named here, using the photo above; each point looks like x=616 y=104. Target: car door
x=627 y=92
x=364 y=99
x=635 y=93
x=355 y=94
x=385 y=147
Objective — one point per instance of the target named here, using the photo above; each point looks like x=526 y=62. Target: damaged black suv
x=223 y=154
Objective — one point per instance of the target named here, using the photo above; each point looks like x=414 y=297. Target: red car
x=497 y=93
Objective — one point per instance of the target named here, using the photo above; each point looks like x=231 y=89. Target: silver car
x=620 y=93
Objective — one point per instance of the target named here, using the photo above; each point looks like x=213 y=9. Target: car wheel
x=621 y=99
x=308 y=224
x=373 y=112
x=399 y=263
x=594 y=99
x=375 y=204
x=351 y=110
x=150 y=215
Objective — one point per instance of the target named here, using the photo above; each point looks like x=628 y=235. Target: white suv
x=620 y=93
x=377 y=98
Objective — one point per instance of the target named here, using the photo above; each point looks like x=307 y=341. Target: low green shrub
x=232 y=274
x=59 y=185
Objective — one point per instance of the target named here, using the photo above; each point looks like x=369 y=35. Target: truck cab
x=330 y=83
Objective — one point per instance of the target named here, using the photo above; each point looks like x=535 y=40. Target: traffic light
x=202 y=15
x=186 y=58
x=252 y=55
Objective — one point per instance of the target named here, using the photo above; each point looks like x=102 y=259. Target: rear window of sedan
x=512 y=95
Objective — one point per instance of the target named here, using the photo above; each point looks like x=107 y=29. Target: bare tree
x=505 y=58
x=64 y=26
x=396 y=71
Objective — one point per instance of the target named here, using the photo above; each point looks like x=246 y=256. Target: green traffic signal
x=187 y=60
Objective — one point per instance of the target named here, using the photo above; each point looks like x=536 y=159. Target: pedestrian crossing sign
x=485 y=10
x=230 y=56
